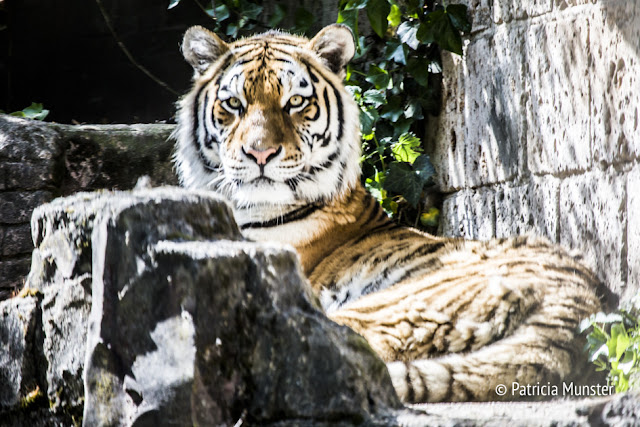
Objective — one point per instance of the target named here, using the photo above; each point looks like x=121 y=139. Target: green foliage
x=35 y=111
x=613 y=344
x=241 y=17
x=391 y=79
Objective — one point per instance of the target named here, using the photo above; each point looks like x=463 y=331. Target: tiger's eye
x=234 y=103
x=296 y=100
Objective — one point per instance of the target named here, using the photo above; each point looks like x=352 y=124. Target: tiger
x=269 y=125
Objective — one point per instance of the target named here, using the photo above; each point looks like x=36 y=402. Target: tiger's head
x=268 y=121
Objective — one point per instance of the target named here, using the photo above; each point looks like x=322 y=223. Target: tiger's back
x=269 y=125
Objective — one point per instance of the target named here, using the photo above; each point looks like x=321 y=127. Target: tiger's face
x=268 y=121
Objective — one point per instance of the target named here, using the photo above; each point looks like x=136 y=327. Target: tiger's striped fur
x=269 y=125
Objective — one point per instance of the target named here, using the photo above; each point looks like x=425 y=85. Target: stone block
x=633 y=237
x=23 y=140
x=614 y=77
x=16 y=241
x=445 y=134
x=530 y=208
x=65 y=310
x=12 y=274
x=16 y=206
x=593 y=221
x=28 y=176
x=470 y=214
x=509 y=10
x=494 y=108
x=558 y=115
x=18 y=373
x=115 y=156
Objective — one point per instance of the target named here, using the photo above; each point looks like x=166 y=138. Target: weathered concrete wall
x=41 y=161
x=539 y=131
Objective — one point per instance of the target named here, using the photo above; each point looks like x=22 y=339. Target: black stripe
x=411 y=395
x=326 y=137
x=340 y=111
x=292 y=216
x=325 y=165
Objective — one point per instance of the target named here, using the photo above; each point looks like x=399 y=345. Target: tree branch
x=124 y=50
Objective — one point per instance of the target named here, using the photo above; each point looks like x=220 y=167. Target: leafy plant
x=35 y=111
x=238 y=17
x=392 y=80
x=614 y=345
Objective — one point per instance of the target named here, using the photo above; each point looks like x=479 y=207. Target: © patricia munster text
x=548 y=389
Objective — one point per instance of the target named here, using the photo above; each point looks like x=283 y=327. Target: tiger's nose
x=262 y=157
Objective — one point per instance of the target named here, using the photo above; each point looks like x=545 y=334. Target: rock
x=39 y=160
x=18 y=332
x=180 y=312
x=28 y=141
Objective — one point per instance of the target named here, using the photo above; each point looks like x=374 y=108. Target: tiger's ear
x=336 y=46
x=201 y=48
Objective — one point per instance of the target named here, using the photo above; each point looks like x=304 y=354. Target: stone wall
x=41 y=161
x=539 y=131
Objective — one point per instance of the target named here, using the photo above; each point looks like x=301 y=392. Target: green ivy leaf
x=424 y=169
x=413 y=110
x=232 y=30
x=377 y=12
x=374 y=185
x=356 y=4
x=419 y=69
x=407 y=32
x=402 y=179
x=395 y=51
x=448 y=37
x=279 y=13
x=395 y=16
x=407 y=149
x=393 y=110
x=303 y=20
x=431 y=218
x=458 y=15
x=438 y=27
x=222 y=12
x=349 y=17
x=374 y=97
x=622 y=342
x=378 y=77
x=173 y=4
x=628 y=362
x=35 y=112
x=368 y=118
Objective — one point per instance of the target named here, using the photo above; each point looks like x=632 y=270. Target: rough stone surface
x=65 y=309
x=558 y=113
x=492 y=153
x=593 y=220
x=115 y=156
x=633 y=234
x=15 y=240
x=470 y=214
x=27 y=141
x=18 y=374
x=225 y=328
x=530 y=208
x=542 y=111
x=41 y=160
